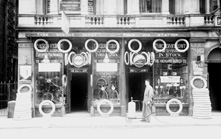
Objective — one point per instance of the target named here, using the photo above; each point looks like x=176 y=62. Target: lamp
x=106 y=59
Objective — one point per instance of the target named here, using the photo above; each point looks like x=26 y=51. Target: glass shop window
x=170 y=75
x=150 y=6
x=106 y=77
x=48 y=76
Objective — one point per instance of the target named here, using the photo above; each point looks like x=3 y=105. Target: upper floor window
x=172 y=6
x=150 y=6
x=47 y=6
x=202 y=4
x=214 y=5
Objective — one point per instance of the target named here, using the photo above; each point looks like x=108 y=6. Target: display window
x=49 y=76
x=106 y=69
x=171 y=74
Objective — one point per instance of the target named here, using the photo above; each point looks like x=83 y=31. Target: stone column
x=84 y=7
x=187 y=6
x=110 y=7
x=120 y=7
x=122 y=79
x=195 y=7
x=26 y=57
x=165 y=7
x=133 y=7
x=207 y=6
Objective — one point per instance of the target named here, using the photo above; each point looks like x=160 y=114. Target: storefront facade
x=101 y=67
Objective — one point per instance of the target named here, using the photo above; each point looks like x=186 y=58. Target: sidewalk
x=107 y=122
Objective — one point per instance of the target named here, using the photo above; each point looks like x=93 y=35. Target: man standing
x=147 y=102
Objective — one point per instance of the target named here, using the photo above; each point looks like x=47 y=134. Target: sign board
x=106 y=67
x=107 y=34
x=170 y=79
x=197 y=67
x=49 y=67
x=70 y=6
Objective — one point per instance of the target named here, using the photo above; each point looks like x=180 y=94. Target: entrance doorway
x=136 y=88
x=214 y=70
x=79 y=92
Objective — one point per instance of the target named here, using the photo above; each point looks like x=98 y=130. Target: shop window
x=150 y=6
x=49 y=72
x=170 y=76
x=106 y=77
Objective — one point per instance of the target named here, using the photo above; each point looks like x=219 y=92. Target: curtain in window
x=150 y=6
x=172 y=6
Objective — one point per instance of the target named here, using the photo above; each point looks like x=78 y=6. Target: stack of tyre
x=23 y=106
x=201 y=104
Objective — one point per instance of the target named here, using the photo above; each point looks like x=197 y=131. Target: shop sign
x=197 y=68
x=170 y=51
x=139 y=60
x=78 y=60
x=137 y=70
x=108 y=34
x=170 y=79
x=70 y=6
x=51 y=55
x=171 y=60
x=79 y=70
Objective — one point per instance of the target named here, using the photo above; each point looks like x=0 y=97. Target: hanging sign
x=78 y=60
x=139 y=60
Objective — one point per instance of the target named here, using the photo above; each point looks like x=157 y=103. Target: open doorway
x=214 y=70
x=136 y=88
x=79 y=92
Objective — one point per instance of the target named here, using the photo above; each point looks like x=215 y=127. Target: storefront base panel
x=162 y=111
x=57 y=113
x=116 y=111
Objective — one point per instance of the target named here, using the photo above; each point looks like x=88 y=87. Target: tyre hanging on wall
x=112 y=51
x=132 y=50
x=90 y=50
x=59 y=46
x=44 y=47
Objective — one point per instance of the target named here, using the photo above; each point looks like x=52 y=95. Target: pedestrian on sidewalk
x=147 y=102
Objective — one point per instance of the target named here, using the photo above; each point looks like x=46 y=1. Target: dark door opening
x=136 y=88
x=214 y=70
x=79 y=92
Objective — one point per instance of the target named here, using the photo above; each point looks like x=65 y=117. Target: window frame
x=160 y=8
